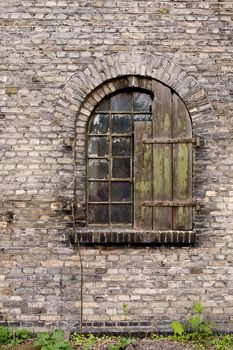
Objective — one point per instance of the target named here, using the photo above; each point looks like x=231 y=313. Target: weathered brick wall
x=45 y=47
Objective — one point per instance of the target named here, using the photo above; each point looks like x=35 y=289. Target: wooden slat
x=162 y=155
x=182 y=165
x=172 y=140
x=142 y=175
x=176 y=203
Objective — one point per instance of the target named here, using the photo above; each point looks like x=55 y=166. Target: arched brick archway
x=105 y=69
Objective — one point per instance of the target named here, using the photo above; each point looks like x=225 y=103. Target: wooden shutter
x=162 y=155
x=182 y=164
x=163 y=165
x=142 y=175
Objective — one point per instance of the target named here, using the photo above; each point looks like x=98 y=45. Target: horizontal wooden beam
x=172 y=140
x=175 y=203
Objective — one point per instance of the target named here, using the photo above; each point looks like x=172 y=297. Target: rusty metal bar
x=172 y=140
x=111 y=202
x=175 y=203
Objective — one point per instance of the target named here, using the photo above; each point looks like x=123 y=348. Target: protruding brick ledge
x=118 y=236
x=135 y=328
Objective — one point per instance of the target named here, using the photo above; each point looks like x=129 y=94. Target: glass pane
x=98 y=168
x=103 y=106
x=121 y=102
x=142 y=102
x=98 y=214
x=99 y=124
x=121 y=191
x=121 y=146
x=142 y=117
x=121 y=214
x=121 y=123
x=121 y=168
x=98 y=146
x=98 y=192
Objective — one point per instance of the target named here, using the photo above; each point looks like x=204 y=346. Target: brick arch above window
x=103 y=70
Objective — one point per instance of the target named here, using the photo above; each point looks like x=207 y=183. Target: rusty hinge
x=174 y=203
x=166 y=140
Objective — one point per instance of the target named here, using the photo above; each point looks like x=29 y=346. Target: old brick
x=195 y=270
x=6 y=291
x=11 y=90
x=51 y=263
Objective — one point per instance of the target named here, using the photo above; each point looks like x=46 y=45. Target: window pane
x=98 y=191
x=121 y=102
x=98 y=214
x=121 y=146
x=98 y=168
x=121 y=214
x=98 y=146
x=121 y=123
x=121 y=168
x=121 y=191
x=142 y=102
x=99 y=124
x=104 y=106
x=142 y=117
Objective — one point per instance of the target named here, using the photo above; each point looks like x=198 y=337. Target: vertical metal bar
x=132 y=157
x=172 y=154
x=110 y=164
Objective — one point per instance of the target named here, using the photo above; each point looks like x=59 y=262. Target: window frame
x=116 y=235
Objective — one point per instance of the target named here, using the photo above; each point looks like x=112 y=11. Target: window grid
x=110 y=157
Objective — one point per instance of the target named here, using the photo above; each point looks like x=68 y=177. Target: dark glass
x=98 y=191
x=121 y=146
x=98 y=146
x=99 y=124
x=121 y=102
x=121 y=123
x=142 y=102
x=98 y=214
x=98 y=168
x=103 y=106
x=142 y=117
x=121 y=191
x=121 y=214
x=121 y=168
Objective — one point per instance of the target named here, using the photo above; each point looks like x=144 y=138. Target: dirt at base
x=148 y=344
x=27 y=346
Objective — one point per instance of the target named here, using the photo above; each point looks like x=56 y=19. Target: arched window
x=139 y=161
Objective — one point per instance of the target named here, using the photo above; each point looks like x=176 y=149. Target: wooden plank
x=175 y=203
x=142 y=175
x=172 y=140
x=162 y=155
x=182 y=165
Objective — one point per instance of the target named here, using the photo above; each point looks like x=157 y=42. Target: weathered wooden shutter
x=182 y=165
x=162 y=155
x=163 y=165
x=143 y=183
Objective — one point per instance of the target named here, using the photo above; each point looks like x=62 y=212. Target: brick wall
x=54 y=54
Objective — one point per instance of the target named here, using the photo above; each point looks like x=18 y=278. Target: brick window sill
x=130 y=236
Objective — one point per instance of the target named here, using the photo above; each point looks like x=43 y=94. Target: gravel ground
x=147 y=344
